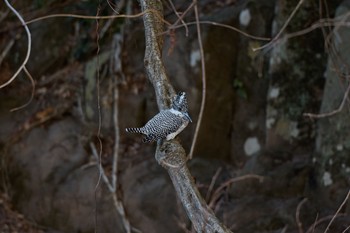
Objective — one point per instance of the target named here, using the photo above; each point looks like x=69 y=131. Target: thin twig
x=338 y=21
x=204 y=82
x=111 y=20
x=98 y=133
x=297 y=215
x=217 y=192
x=321 y=220
x=313 y=225
x=119 y=205
x=7 y=49
x=105 y=27
x=212 y=183
x=185 y=13
x=113 y=186
x=101 y=170
x=121 y=210
x=98 y=17
x=118 y=40
x=29 y=44
x=330 y=48
x=117 y=7
x=4 y=15
x=116 y=137
x=32 y=93
x=323 y=29
x=339 y=109
x=319 y=24
x=171 y=26
x=337 y=213
x=346 y=229
x=283 y=27
x=179 y=17
x=224 y=26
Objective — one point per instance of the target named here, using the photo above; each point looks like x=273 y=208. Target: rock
x=333 y=138
x=47 y=166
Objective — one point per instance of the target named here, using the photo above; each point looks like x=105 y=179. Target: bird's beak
x=188 y=117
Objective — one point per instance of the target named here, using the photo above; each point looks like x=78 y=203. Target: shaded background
x=253 y=120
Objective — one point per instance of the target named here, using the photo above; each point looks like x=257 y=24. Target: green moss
x=240 y=89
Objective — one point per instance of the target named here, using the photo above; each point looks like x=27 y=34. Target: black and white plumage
x=167 y=123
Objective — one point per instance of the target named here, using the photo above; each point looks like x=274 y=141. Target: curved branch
x=29 y=45
x=283 y=27
x=96 y=17
x=204 y=83
x=207 y=22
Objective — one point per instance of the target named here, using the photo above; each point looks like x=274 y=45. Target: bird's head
x=180 y=104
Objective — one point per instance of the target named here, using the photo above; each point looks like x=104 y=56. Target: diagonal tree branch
x=171 y=154
x=153 y=54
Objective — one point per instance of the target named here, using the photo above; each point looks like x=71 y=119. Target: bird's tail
x=134 y=130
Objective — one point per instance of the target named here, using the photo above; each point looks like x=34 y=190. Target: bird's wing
x=163 y=124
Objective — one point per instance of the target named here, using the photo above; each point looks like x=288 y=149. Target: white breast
x=176 y=112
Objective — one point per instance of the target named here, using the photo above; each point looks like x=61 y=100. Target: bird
x=167 y=123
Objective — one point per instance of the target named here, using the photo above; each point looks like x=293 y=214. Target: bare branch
x=117 y=68
x=204 y=82
x=28 y=46
x=328 y=114
x=212 y=183
x=118 y=204
x=297 y=215
x=312 y=228
x=221 y=25
x=7 y=49
x=101 y=171
x=283 y=28
x=178 y=15
x=321 y=220
x=337 y=213
x=218 y=191
x=94 y=17
x=3 y=15
x=112 y=189
x=113 y=183
x=116 y=7
x=346 y=229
